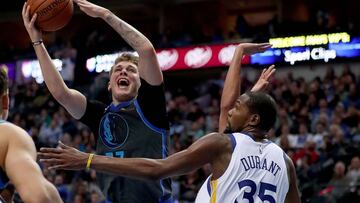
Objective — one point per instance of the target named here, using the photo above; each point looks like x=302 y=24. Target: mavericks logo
x=113 y=130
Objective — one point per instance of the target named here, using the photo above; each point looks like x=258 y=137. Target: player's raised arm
x=197 y=155
x=149 y=68
x=22 y=169
x=72 y=100
x=232 y=83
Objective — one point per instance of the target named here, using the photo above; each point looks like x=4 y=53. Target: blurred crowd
x=318 y=126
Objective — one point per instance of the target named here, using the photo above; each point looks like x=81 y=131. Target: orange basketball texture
x=52 y=14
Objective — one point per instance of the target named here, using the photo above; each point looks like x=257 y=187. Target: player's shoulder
x=14 y=133
x=223 y=140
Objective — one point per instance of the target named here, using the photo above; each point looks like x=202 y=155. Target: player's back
x=256 y=173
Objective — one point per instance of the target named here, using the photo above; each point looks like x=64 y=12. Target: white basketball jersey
x=256 y=173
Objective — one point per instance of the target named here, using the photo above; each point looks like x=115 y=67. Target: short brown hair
x=3 y=81
x=127 y=56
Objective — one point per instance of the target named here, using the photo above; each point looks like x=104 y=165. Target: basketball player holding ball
x=134 y=124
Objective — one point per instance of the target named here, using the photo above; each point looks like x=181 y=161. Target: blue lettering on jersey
x=254 y=162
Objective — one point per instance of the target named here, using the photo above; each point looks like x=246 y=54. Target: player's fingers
x=272 y=72
x=24 y=9
x=264 y=44
x=63 y=146
x=27 y=11
x=263 y=71
x=51 y=150
x=265 y=47
x=82 y=4
x=33 y=19
x=52 y=161
x=270 y=68
x=48 y=155
x=57 y=167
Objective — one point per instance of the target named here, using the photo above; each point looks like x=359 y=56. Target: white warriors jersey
x=256 y=173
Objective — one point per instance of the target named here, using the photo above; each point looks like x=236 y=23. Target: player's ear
x=109 y=88
x=254 y=120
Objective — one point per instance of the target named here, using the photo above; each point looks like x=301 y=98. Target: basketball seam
x=39 y=6
x=56 y=13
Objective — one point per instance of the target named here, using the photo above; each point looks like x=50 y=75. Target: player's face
x=239 y=115
x=124 y=81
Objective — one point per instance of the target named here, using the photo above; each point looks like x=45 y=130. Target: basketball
x=52 y=14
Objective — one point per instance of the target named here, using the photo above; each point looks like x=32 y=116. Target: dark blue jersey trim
x=116 y=108
x=233 y=141
x=209 y=187
x=248 y=134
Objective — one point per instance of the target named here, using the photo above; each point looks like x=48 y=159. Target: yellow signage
x=309 y=40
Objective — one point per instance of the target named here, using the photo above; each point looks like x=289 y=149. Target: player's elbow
x=59 y=96
x=146 y=49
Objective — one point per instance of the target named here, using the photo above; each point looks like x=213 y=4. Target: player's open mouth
x=123 y=82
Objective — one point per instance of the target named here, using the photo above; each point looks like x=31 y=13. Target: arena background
x=318 y=95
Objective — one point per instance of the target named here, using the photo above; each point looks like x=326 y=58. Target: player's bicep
x=198 y=154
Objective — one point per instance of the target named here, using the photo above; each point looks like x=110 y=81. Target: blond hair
x=127 y=56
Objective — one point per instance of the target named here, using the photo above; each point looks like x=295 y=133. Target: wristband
x=89 y=162
x=37 y=42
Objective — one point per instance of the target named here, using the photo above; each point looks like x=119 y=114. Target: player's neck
x=256 y=134
x=119 y=102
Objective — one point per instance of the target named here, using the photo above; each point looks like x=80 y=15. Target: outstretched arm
x=23 y=171
x=203 y=151
x=73 y=101
x=149 y=67
x=232 y=84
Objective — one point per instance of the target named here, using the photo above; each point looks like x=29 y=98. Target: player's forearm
x=132 y=36
x=52 y=77
x=232 y=82
x=140 y=168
